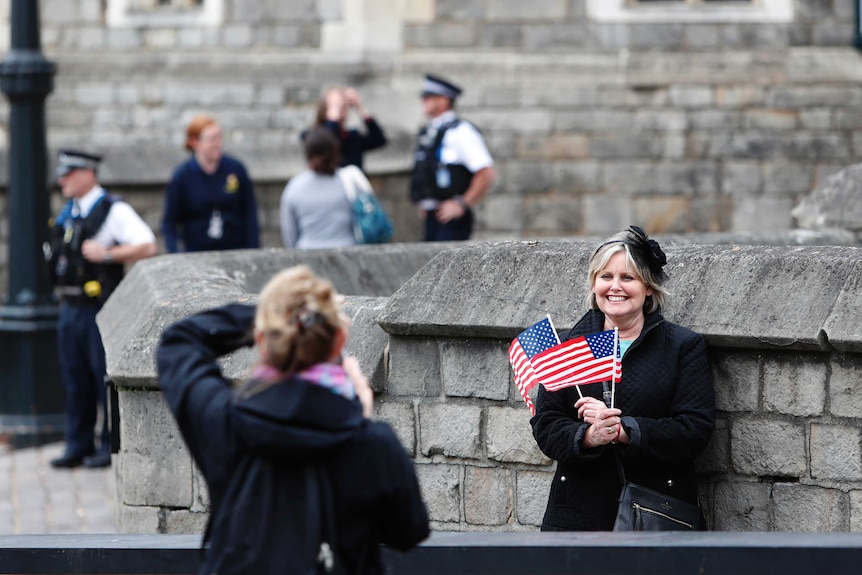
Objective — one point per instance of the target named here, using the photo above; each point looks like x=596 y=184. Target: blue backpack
x=371 y=223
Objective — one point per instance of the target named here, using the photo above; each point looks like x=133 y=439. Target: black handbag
x=644 y=509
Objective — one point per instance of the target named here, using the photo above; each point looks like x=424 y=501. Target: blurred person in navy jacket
x=210 y=203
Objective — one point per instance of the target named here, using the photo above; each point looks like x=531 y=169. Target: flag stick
x=614 y=373
x=550 y=321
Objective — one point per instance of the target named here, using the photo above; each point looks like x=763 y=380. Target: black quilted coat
x=668 y=410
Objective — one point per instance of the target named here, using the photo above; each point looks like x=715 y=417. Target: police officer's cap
x=437 y=86
x=68 y=160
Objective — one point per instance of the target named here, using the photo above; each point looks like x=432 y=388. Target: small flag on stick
x=586 y=359
x=532 y=341
x=537 y=356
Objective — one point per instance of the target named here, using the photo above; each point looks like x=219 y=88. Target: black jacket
x=276 y=440
x=668 y=410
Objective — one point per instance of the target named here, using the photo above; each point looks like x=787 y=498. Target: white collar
x=86 y=202
x=443 y=118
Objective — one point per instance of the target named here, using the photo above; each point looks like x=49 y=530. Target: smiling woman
x=662 y=414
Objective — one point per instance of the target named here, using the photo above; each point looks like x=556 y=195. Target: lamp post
x=857 y=29
x=31 y=398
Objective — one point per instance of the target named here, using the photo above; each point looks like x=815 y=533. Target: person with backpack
x=300 y=480
x=92 y=239
x=452 y=170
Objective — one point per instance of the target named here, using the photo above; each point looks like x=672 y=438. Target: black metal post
x=31 y=398
x=857 y=29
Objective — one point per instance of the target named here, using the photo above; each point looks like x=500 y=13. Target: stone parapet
x=779 y=323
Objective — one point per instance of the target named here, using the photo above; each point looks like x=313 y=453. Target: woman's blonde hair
x=298 y=316
x=644 y=258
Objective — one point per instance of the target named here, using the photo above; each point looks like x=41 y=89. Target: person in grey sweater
x=315 y=211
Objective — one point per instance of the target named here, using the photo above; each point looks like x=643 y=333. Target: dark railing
x=478 y=554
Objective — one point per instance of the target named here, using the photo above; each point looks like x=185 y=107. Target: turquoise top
x=625 y=344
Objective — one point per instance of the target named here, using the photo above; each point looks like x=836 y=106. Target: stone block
x=621 y=147
x=475 y=368
x=741 y=178
x=553 y=215
x=835 y=203
x=575 y=178
x=539 y=37
x=736 y=379
x=488 y=494
x=741 y=506
x=124 y=38
x=656 y=36
x=660 y=120
x=458 y=9
x=663 y=214
x=238 y=36
x=554 y=147
x=702 y=36
x=793 y=97
x=414 y=367
x=836 y=452
x=504 y=213
x=596 y=120
x=449 y=35
x=402 y=418
x=771 y=119
x=631 y=177
x=527 y=177
x=450 y=430
x=762 y=214
x=768 y=448
x=855 y=510
x=179 y=521
x=508 y=10
x=690 y=96
x=847 y=119
x=94 y=93
x=789 y=179
x=739 y=96
x=606 y=215
x=516 y=121
x=687 y=178
x=794 y=385
x=532 y=488
x=716 y=457
x=149 y=434
x=845 y=388
x=441 y=490
x=509 y=437
x=808 y=508
x=140 y=520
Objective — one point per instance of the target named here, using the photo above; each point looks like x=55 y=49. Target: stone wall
x=780 y=323
x=692 y=120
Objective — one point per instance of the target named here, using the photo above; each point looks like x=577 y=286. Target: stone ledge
x=762 y=297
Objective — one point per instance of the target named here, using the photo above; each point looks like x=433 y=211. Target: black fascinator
x=647 y=252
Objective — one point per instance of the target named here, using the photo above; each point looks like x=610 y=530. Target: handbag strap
x=621 y=472
x=347 y=184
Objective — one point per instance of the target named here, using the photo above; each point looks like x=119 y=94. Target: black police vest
x=431 y=179
x=68 y=267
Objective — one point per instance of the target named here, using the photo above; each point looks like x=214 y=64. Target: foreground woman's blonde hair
x=298 y=318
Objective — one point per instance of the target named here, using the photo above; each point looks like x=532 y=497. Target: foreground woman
x=297 y=477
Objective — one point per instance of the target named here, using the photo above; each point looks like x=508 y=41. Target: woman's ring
x=611 y=429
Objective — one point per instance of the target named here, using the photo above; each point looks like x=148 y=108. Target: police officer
x=453 y=168
x=91 y=240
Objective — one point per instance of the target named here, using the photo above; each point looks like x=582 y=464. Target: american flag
x=536 y=339
x=586 y=359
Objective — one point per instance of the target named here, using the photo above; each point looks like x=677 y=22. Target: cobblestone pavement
x=36 y=498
